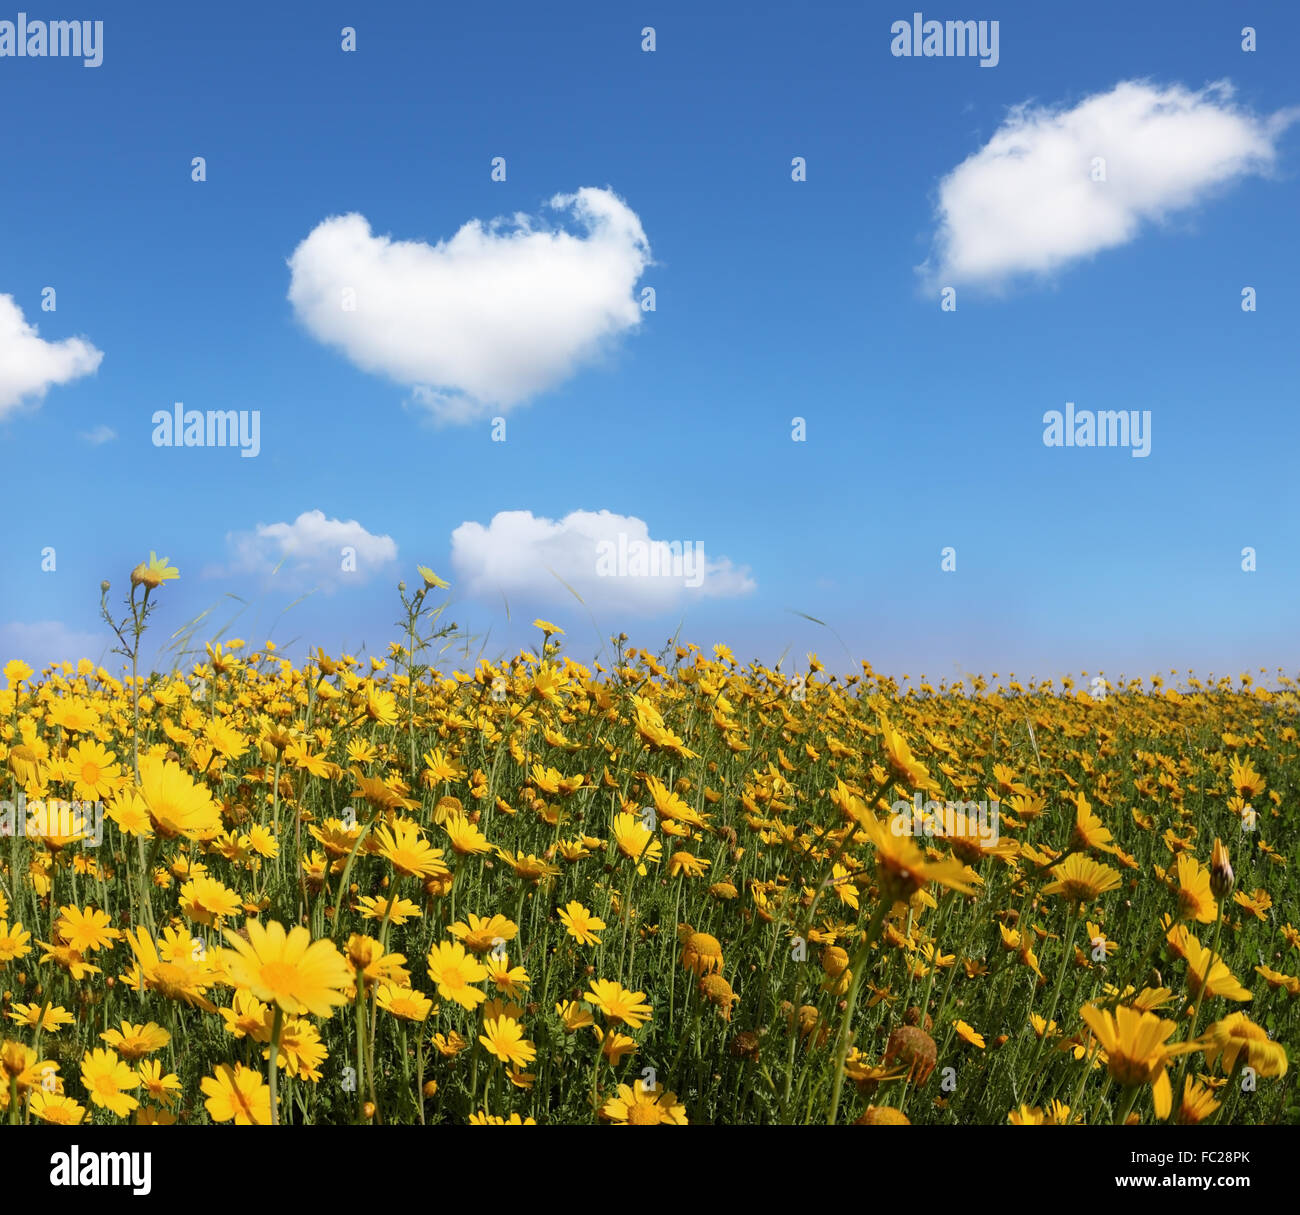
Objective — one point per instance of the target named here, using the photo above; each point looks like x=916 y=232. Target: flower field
x=669 y=888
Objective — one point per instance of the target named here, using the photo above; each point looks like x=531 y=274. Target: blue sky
x=774 y=299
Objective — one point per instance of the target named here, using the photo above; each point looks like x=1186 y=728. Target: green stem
x=359 y=1008
x=857 y=964
x=1130 y=1096
x=1196 y=1008
x=1067 y=952
x=273 y=1067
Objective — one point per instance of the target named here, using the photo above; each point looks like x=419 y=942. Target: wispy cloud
x=1055 y=185
x=31 y=366
x=312 y=549
x=44 y=641
x=502 y=311
x=611 y=560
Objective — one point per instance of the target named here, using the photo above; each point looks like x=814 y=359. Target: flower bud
x=1222 y=878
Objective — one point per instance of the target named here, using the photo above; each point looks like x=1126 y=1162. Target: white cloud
x=311 y=548
x=29 y=366
x=497 y=314
x=1026 y=203
x=594 y=552
x=101 y=434
x=44 y=641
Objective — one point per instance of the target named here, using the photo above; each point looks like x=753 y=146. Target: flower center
x=280 y=977
x=169 y=979
x=643 y=1113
